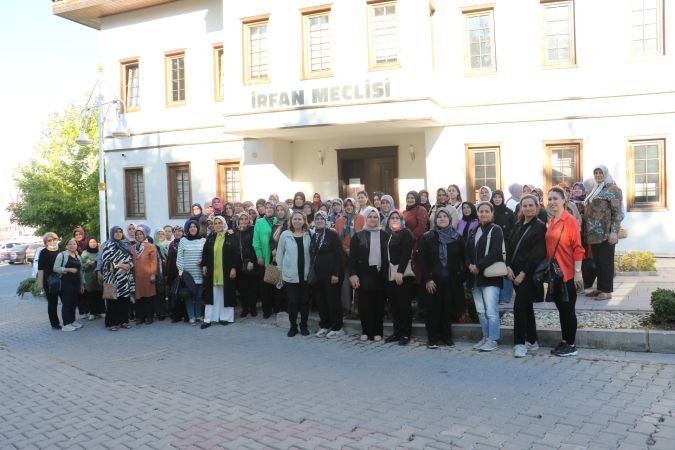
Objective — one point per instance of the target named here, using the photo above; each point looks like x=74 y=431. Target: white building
x=247 y=98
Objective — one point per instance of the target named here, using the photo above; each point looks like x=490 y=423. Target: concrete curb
x=655 y=341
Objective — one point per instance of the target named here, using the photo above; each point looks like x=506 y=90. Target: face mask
x=53 y=246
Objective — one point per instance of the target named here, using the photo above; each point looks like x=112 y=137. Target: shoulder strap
x=557 y=243
x=388 y=242
x=515 y=252
x=487 y=245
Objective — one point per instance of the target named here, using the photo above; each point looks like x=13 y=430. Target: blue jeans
x=194 y=305
x=506 y=294
x=487 y=306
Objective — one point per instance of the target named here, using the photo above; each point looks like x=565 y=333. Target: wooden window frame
x=660 y=33
x=247 y=24
x=470 y=150
x=572 y=62
x=171 y=169
x=168 y=57
x=127 y=194
x=633 y=206
x=124 y=94
x=218 y=72
x=221 y=182
x=372 y=64
x=578 y=156
x=477 y=11
x=306 y=15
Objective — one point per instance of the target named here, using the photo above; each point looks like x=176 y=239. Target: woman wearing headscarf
x=327 y=259
x=92 y=288
x=217 y=206
x=387 y=205
x=161 y=243
x=298 y=201
x=416 y=219
x=262 y=234
x=293 y=260
x=469 y=220
x=178 y=309
x=199 y=217
x=424 y=199
x=484 y=194
x=335 y=212
x=399 y=287
x=316 y=202
x=346 y=227
x=144 y=257
x=81 y=238
x=247 y=277
x=308 y=212
x=603 y=222
x=505 y=218
x=441 y=259
x=230 y=217
x=516 y=190
x=578 y=196
x=188 y=259
x=219 y=267
x=367 y=268
x=442 y=199
x=455 y=198
x=116 y=268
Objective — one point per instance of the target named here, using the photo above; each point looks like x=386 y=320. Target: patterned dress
x=112 y=256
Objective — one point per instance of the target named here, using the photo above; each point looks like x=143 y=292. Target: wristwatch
x=577 y=270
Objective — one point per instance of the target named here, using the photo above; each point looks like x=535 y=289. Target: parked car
x=31 y=251
x=14 y=253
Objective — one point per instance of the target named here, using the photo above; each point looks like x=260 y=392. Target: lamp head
x=83 y=139
x=120 y=131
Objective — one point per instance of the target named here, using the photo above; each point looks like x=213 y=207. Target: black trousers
x=159 y=306
x=524 y=324
x=247 y=285
x=145 y=309
x=567 y=312
x=82 y=302
x=400 y=298
x=298 y=301
x=117 y=312
x=179 y=311
x=603 y=256
x=371 y=311
x=329 y=304
x=439 y=312
x=95 y=302
x=70 y=292
x=270 y=303
x=53 y=309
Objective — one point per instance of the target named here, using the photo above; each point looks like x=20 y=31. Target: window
x=134 y=188
x=647 y=27
x=130 y=85
x=383 y=35
x=218 y=73
x=229 y=180
x=180 y=194
x=175 y=79
x=559 y=33
x=256 y=52
x=479 y=54
x=562 y=163
x=646 y=174
x=483 y=168
x=316 y=44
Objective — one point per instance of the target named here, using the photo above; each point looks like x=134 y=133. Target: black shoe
x=224 y=322
x=140 y=322
x=254 y=314
x=392 y=338
x=292 y=332
x=304 y=331
x=449 y=343
x=175 y=320
x=243 y=314
x=266 y=315
x=432 y=345
x=567 y=350
x=560 y=346
x=205 y=325
x=56 y=327
x=404 y=340
x=149 y=322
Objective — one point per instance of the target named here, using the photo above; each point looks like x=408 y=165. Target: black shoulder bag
x=548 y=271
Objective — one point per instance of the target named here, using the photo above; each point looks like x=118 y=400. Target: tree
x=59 y=185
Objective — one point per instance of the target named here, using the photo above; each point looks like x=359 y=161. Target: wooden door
x=369 y=169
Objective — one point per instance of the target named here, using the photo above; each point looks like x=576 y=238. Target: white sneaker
x=68 y=327
x=193 y=322
x=322 y=332
x=520 y=351
x=489 y=346
x=85 y=316
x=92 y=317
x=532 y=347
x=334 y=334
x=479 y=344
x=76 y=324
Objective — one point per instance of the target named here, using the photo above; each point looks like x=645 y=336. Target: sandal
x=593 y=293
x=364 y=337
x=602 y=296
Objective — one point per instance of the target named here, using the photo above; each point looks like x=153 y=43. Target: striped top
x=189 y=256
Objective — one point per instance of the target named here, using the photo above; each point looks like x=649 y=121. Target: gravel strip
x=587 y=319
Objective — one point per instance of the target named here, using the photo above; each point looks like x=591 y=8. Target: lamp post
x=119 y=132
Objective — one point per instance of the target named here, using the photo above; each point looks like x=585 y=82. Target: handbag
x=272 y=274
x=498 y=268
x=54 y=279
x=109 y=289
x=548 y=271
x=393 y=268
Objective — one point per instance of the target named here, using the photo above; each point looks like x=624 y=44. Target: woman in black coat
x=400 y=288
x=367 y=267
x=526 y=249
x=327 y=258
x=219 y=282
x=247 y=277
x=506 y=219
x=479 y=256
x=441 y=259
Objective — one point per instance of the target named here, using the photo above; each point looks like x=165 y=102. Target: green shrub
x=663 y=304
x=28 y=285
x=635 y=262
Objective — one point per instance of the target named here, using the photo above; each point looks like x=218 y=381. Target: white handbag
x=496 y=269
x=393 y=268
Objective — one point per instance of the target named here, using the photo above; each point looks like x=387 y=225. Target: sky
x=48 y=62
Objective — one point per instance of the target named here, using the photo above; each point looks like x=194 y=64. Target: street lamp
x=83 y=139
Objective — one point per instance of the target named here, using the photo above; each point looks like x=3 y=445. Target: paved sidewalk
x=248 y=386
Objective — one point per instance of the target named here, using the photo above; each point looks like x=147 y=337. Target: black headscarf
x=426 y=205
x=417 y=200
x=188 y=236
x=118 y=243
x=501 y=209
x=472 y=216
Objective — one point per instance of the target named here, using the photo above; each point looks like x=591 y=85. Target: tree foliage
x=59 y=185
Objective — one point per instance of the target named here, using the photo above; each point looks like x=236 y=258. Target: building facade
x=242 y=99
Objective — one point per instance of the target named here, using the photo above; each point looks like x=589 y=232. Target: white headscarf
x=598 y=187
x=375 y=252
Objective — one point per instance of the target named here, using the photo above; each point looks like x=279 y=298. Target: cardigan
x=429 y=259
x=262 y=232
x=475 y=254
x=229 y=260
x=532 y=249
x=328 y=260
x=59 y=264
x=357 y=263
x=287 y=256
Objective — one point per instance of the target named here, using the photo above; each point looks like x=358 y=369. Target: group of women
x=352 y=254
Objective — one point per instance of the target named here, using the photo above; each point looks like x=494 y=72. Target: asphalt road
x=10 y=277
